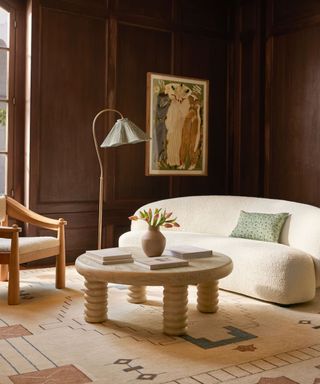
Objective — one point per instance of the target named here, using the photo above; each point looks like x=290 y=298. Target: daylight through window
x=4 y=95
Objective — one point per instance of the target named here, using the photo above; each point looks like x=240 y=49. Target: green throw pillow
x=260 y=226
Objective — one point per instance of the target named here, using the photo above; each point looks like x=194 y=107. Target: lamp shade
x=124 y=132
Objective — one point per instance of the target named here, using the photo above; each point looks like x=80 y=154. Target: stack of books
x=161 y=262
x=110 y=256
x=188 y=252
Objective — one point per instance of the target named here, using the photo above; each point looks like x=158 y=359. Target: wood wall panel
x=72 y=68
x=95 y=8
x=131 y=99
x=144 y=9
x=293 y=14
x=275 y=110
x=293 y=170
x=212 y=15
x=248 y=129
x=68 y=76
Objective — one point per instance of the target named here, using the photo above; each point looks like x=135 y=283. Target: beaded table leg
x=137 y=294
x=96 y=301
x=208 y=297
x=175 y=308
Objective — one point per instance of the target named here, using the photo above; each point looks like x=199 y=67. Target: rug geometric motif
x=277 y=380
x=13 y=331
x=246 y=342
x=67 y=375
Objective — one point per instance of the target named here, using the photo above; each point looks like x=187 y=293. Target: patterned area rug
x=46 y=340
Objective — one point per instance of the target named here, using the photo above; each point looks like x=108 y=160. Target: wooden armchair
x=15 y=250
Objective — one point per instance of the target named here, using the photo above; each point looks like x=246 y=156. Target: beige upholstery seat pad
x=30 y=244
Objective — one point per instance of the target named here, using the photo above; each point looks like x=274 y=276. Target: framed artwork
x=177 y=122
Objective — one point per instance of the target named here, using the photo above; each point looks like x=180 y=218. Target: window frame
x=16 y=98
x=10 y=98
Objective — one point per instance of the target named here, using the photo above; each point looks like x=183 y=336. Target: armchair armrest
x=20 y=212
x=8 y=232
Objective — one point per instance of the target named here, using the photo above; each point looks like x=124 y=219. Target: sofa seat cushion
x=30 y=244
x=269 y=271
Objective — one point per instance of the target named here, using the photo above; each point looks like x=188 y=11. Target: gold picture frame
x=177 y=122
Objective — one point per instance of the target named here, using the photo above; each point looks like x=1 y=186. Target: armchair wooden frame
x=10 y=260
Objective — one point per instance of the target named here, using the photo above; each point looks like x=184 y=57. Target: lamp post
x=123 y=132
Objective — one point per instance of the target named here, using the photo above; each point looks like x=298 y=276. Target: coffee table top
x=198 y=271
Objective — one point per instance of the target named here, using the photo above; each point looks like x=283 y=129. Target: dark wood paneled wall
x=246 y=96
x=67 y=86
x=292 y=168
x=275 y=94
x=89 y=55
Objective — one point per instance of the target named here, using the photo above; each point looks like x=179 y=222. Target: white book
x=161 y=262
x=109 y=262
x=109 y=254
x=188 y=252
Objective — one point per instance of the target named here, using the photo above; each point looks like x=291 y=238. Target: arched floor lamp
x=123 y=132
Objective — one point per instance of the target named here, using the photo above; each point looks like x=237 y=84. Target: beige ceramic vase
x=153 y=242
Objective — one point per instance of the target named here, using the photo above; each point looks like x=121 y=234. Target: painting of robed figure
x=177 y=122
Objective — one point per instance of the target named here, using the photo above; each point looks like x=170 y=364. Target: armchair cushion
x=30 y=244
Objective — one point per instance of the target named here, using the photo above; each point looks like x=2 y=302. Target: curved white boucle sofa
x=287 y=272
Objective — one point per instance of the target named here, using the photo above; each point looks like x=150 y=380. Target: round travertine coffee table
x=204 y=273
